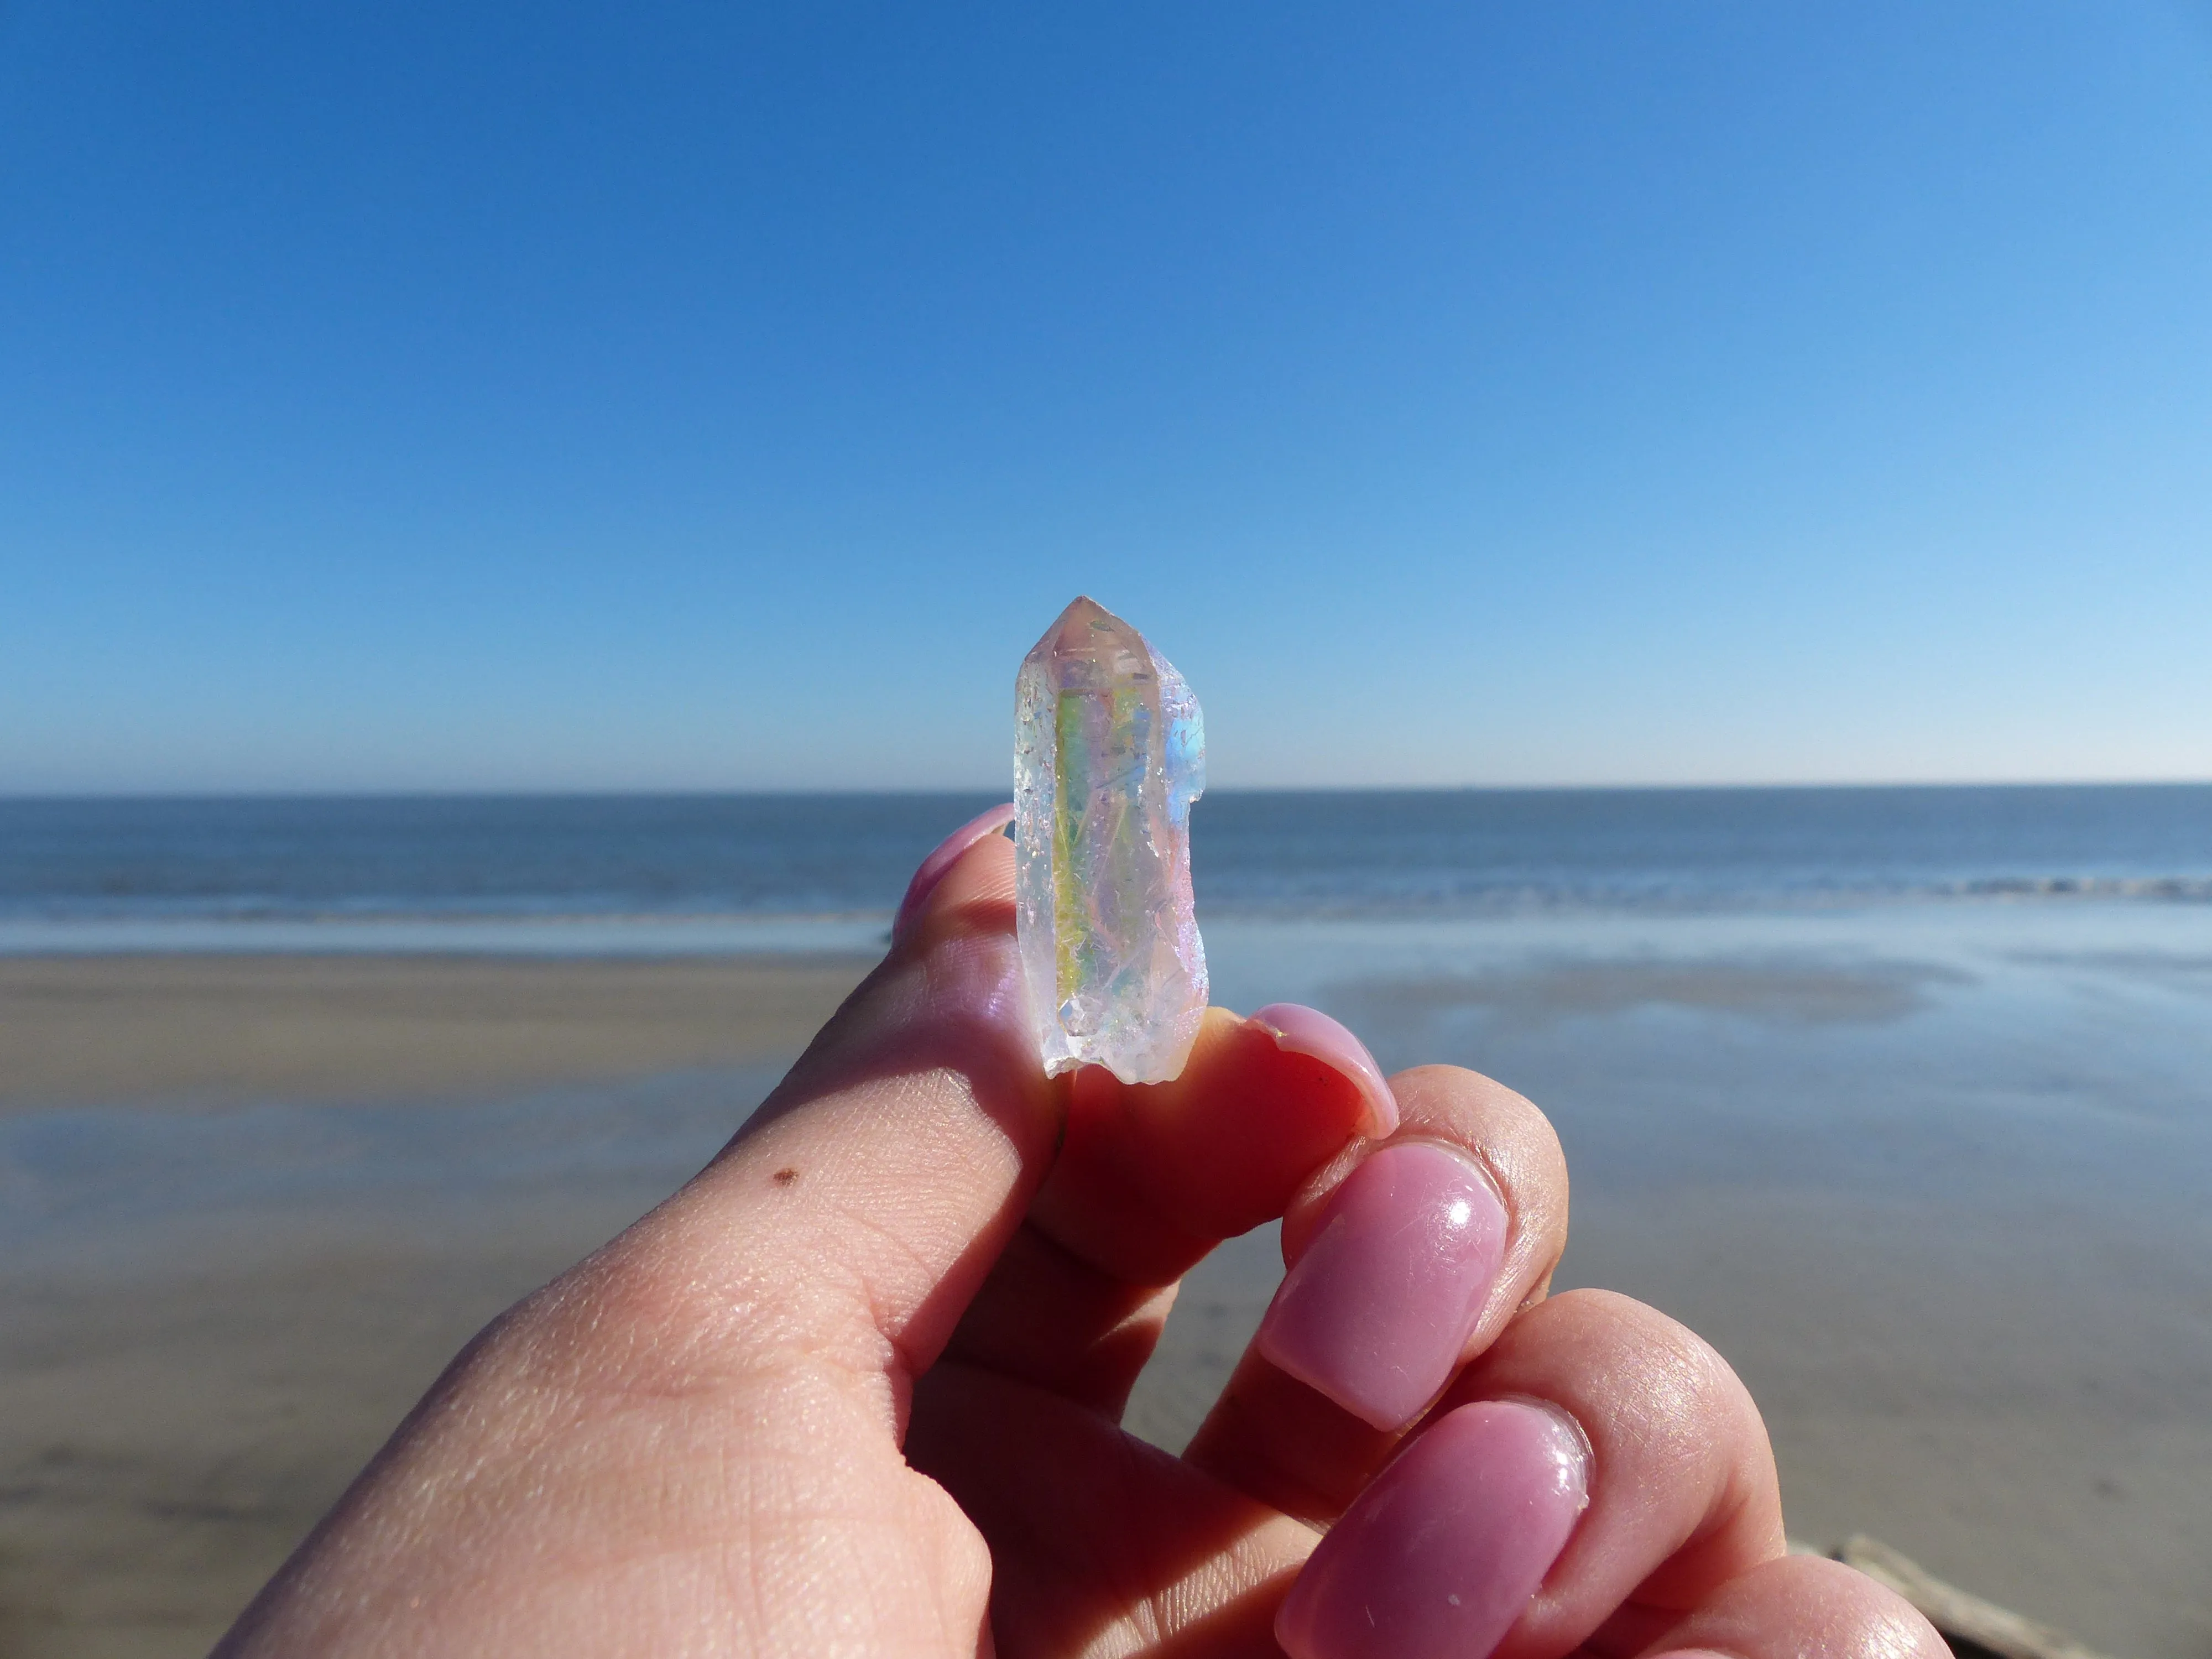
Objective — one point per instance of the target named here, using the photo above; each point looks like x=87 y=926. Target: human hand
x=855 y=1389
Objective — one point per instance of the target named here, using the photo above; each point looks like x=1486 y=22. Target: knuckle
x=1506 y=1130
x=1655 y=1381
x=1807 y=1608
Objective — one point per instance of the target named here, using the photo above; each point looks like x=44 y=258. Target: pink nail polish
x=1375 y=1313
x=1438 y=1557
x=942 y=858
x=1304 y=1031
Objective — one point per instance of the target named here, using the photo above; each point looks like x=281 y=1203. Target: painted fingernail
x=1376 y=1312
x=941 y=859
x=1438 y=1557
x=1304 y=1031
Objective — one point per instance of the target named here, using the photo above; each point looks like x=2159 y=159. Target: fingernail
x=1440 y=1554
x=941 y=859
x=1304 y=1030
x=1376 y=1312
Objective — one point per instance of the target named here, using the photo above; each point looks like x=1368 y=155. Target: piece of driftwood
x=1972 y=1625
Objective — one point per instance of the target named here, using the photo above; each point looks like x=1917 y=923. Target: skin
x=855 y=1389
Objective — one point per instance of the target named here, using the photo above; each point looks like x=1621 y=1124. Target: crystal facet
x=1110 y=752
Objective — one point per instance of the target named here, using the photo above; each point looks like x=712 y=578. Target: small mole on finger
x=784 y=1177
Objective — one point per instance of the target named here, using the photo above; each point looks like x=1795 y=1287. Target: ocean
x=697 y=872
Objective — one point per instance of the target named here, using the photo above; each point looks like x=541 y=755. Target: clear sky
x=407 y=394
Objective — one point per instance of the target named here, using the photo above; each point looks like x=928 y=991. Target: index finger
x=1149 y=1178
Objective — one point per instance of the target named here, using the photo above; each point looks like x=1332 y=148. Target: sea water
x=655 y=873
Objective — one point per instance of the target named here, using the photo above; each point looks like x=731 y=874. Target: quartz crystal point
x=1110 y=752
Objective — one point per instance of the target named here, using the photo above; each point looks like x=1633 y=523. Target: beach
x=1659 y=554
x=251 y=1205
x=1927 y=1178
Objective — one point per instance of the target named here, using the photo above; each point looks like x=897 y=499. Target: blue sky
x=423 y=396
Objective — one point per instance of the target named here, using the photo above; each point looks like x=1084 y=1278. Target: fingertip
x=1153 y=1174
x=972 y=891
x=1283 y=1092
x=1299 y=1030
x=951 y=980
x=947 y=855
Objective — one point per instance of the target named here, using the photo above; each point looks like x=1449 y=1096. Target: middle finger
x=1407 y=1258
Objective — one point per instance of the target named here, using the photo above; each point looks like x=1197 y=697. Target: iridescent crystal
x=1110 y=752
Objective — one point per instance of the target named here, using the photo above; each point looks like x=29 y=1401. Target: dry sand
x=261 y=1202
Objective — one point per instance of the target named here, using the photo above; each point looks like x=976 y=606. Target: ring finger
x=1598 y=1464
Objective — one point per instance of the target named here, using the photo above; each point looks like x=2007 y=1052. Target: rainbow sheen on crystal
x=1110 y=752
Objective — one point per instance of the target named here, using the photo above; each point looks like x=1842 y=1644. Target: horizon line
x=628 y=792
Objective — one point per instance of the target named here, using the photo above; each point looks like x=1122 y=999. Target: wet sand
x=215 y=1029
x=249 y=1207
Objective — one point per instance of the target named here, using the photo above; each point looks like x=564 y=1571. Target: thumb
x=854 y=1217
x=693 y=1408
